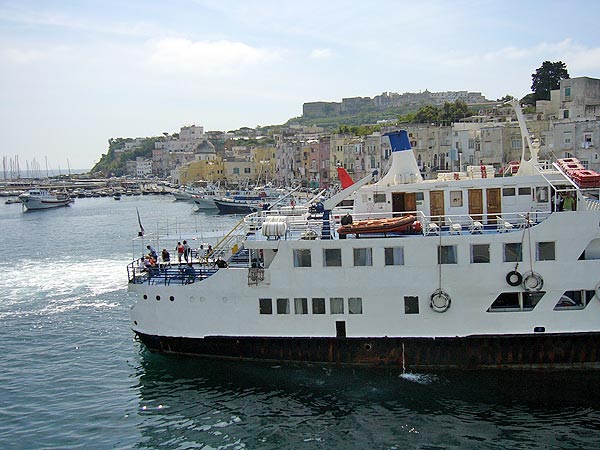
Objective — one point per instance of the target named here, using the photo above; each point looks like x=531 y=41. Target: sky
x=75 y=73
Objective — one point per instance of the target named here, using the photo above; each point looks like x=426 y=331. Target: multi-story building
x=264 y=159
x=202 y=170
x=239 y=172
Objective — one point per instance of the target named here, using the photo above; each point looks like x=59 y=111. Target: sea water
x=73 y=376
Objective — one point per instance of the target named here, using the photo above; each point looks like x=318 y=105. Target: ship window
x=524 y=191
x=541 y=194
x=592 y=251
x=336 y=305
x=355 y=305
x=530 y=299
x=419 y=196
x=411 y=304
x=513 y=252
x=447 y=254
x=480 y=253
x=508 y=192
x=318 y=306
x=301 y=305
x=545 y=251
x=506 y=301
x=265 y=306
x=394 y=256
x=363 y=257
x=332 y=257
x=283 y=306
x=379 y=198
x=516 y=301
x=301 y=257
x=456 y=198
x=572 y=300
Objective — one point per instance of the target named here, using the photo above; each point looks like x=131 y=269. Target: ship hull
x=35 y=204
x=228 y=207
x=518 y=352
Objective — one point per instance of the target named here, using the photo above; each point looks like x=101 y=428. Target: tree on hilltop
x=547 y=78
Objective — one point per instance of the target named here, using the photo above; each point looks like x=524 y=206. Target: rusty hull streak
x=535 y=351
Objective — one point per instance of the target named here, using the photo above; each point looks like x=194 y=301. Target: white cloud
x=20 y=55
x=207 y=58
x=321 y=53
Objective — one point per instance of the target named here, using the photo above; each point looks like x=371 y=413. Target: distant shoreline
x=25 y=174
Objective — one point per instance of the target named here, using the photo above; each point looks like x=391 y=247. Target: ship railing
x=479 y=223
x=176 y=274
x=309 y=227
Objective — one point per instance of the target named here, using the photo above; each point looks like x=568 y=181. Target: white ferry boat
x=43 y=199
x=479 y=272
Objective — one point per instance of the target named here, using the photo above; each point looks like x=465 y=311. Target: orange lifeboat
x=405 y=224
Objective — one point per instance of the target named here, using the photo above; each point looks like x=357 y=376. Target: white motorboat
x=43 y=199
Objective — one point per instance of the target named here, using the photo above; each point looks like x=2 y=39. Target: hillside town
x=567 y=125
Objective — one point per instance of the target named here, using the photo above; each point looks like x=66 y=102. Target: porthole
x=135 y=322
x=172 y=298
x=145 y=297
x=158 y=298
x=367 y=346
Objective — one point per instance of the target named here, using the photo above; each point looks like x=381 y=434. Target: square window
x=541 y=194
x=379 y=198
x=480 y=253
x=265 y=306
x=336 y=305
x=318 y=306
x=456 y=198
x=508 y=192
x=447 y=254
x=363 y=257
x=524 y=191
x=513 y=252
x=545 y=251
x=302 y=258
x=301 y=305
x=411 y=305
x=355 y=305
x=394 y=256
x=283 y=306
x=332 y=257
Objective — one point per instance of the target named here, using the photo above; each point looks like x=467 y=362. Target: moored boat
x=35 y=199
x=498 y=277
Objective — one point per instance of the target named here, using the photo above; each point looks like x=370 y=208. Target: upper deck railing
x=308 y=226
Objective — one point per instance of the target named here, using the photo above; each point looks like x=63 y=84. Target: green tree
x=427 y=114
x=547 y=78
x=451 y=112
x=505 y=99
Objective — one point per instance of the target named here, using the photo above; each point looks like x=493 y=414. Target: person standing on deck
x=186 y=251
x=179 y=249
x=568 y=202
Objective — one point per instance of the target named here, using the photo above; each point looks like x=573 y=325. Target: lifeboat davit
x=405 y=224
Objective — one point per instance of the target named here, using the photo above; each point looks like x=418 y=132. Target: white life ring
x=532 y=281
x=440 y=301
